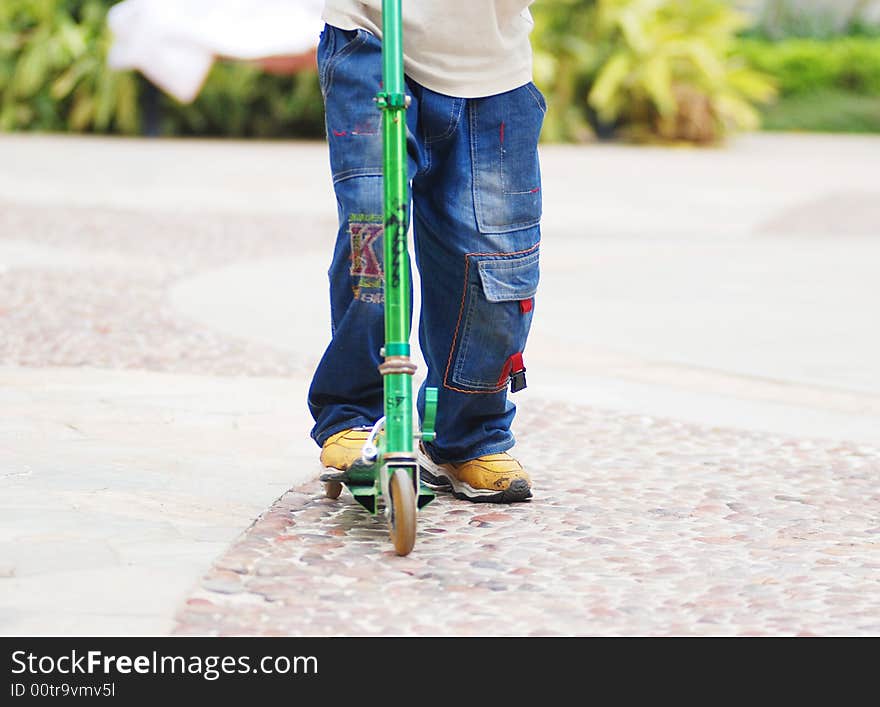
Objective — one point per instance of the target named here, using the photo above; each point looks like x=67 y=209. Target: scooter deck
x=364 y=483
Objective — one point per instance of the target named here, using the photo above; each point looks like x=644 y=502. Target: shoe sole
x=435 y=477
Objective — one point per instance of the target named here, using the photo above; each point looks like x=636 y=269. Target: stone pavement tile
x=112 y=600
x=89 y=287
x=639 y=526
x=35 y=556
x=124 y=486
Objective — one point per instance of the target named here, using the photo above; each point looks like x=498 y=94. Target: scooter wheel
x=332 y=489
x=402 y=519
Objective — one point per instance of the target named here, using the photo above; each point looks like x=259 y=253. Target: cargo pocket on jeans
x=504 y=153
x=494 y=320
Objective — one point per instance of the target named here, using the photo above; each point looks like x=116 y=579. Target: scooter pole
x=397 y=369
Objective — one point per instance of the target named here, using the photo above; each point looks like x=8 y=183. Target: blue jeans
x=476 y=209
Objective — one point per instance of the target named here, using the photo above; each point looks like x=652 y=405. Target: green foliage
x=566 y=59
x=802 y=66
x=53 y=69
x=241 y=100
x=54 y=77
x=824 y=85
x=670 y=71
x=647 y=69
x=825 y=110
x=654 y=69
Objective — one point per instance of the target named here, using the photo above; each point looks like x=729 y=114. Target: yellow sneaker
x=343 y=449
x=494 y=478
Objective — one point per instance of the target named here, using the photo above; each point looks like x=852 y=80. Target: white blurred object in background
x=175 y=42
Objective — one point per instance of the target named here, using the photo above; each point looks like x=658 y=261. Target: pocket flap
x=510 y=279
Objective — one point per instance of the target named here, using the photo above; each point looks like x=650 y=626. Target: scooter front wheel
x=402 y=518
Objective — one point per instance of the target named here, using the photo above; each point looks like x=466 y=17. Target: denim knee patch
x=494 y=319
x=504 y=153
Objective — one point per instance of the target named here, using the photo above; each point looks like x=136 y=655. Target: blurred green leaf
x=83 y=111
x=658 y=83
x=609 y=85
x=64 y=84
x=33 y=70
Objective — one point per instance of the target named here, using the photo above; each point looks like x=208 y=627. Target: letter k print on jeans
x=366 y=238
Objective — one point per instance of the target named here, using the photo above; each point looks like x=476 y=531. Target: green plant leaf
x=605 y=95
x=737 y=111
x=657 y=81
x=64 y=84
x=83 y=111
x=752 y=84
x=32 y=71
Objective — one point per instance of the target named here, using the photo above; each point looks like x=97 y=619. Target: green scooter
x=387 y=474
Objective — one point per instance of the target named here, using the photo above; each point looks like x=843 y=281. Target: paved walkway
x=702 y=421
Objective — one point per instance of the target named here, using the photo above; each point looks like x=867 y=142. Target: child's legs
x=346 y=390
x=476 y=219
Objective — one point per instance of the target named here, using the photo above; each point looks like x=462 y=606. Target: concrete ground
x=702 y=421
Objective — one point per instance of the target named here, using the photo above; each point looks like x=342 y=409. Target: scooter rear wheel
x=332 y=489
x=402 y=520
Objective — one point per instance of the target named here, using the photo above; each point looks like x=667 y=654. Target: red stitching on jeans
x=467 y=263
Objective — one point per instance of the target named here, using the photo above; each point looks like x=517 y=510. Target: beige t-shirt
x=461 y=48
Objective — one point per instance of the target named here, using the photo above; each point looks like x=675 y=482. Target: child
x=473 y=126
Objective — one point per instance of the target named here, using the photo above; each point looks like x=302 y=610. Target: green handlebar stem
x=398 y=279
